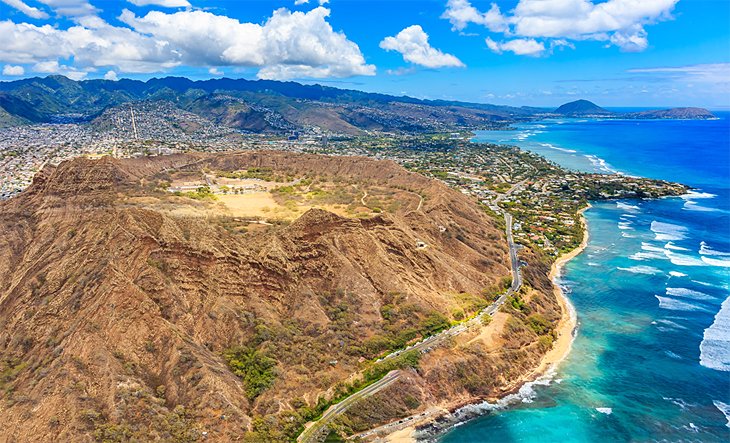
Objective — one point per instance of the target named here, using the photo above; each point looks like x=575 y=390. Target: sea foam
x=684 y=260
x=705 y=249
x=668 y=231
x=715 y=346
x=672 y=304
x=647 y=270
x=725 y=409
x=626 y=207
x=689 y=293
x=548 y=145
x=600 y=163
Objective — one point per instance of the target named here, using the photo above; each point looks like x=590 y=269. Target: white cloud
x=11 y=70
x=300 y=2
x=215 y=71
x=71 y=8
x=412 y=43
x=460 y=13
x=30 y=11
x=519 y=46
x=289 y=44
x=715 y=73
x=53 y=67
x=619 y=22
x=110 y=75
x=163 y=3
x=49 y=67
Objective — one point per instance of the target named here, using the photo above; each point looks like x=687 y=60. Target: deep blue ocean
x=651 y=361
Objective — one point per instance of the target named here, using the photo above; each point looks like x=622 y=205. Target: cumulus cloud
x=617 y=22
x=519 y=46
x=163 y=3
x=215 y=71
x=412 y=43
x=30 y=11
x=11 y=70
x=288 y=44
x=110 y=75
x=461 y=12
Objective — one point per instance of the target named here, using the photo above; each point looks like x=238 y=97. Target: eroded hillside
x=130 y=310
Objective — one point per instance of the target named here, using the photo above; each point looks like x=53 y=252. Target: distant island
x=585 y=108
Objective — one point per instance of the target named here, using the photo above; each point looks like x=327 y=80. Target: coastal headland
x=296 y=294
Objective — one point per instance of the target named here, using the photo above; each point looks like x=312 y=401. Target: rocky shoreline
x=431 y=425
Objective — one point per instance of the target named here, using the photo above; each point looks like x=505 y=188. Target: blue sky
x=519 y=52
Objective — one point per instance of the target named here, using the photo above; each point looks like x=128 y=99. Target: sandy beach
x=558 y=353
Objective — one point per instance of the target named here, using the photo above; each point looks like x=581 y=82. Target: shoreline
x=566 y=328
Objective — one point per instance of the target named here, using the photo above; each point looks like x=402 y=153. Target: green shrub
x=257 y=370
x=539 y=324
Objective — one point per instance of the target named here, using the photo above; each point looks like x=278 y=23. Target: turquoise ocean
x=651 y=360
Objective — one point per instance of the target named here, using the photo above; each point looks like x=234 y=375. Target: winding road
x=317 y=431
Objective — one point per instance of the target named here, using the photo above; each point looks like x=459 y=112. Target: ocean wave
x=626 y=207
x=716 y=262
x=683 y=260
x=606 y=411
x=674 y=247
x=649 y=247
x=691 y=205
x=630 y=215
x=526 y=394
x=625 y=226
x=677 y=274
x=600 y=163
x=725 y=409
x=689 y=293
x=679 y=402
x=646 y=270
x=557 y=148
x=669 y=323
x=693 y=195
x=668 y=231
x=707 y=250
x=715 y=345
x=627 y=235
x=647 y=256
x=672 y=304
x=671 y=354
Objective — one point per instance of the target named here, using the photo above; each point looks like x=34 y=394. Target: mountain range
x=274 y=106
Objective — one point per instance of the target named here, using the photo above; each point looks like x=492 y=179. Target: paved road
x=316 y=432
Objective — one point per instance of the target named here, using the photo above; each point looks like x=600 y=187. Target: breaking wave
x=689 y=293
x=715 y=346
x=557 y=148
x=725 y=409
x=668 y=231
x=672 y=304
x=626 y=207
x=600 y=164
x=647 y=270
